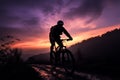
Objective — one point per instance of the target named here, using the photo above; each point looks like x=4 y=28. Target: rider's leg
x=59 y=42
x=51 y=49
x=52 y=41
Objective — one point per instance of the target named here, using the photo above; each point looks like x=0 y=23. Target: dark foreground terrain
x=19 y=71
x=45 y=72
x=59 y=74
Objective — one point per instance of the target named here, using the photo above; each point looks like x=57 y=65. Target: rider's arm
x=67 y=34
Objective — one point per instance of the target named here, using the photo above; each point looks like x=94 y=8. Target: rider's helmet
x=60 y=22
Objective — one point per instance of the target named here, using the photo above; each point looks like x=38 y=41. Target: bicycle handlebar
x=65 y=39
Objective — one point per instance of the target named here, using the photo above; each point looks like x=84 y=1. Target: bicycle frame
x=57 y=48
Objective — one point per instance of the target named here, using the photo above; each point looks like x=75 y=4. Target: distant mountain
x=104 y=49
x=100 y=54
x=96 y=50
x=39 y=59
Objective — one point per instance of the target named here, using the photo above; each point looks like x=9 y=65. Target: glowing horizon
x=45 y=44
x=31 y=20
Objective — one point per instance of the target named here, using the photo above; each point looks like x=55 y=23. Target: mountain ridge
x=100 y=48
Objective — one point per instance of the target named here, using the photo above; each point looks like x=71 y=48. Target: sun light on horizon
x=44 y=43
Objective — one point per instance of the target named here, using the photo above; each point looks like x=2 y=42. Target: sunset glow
x=59 y=39
x=44 y=43
x=31 y=21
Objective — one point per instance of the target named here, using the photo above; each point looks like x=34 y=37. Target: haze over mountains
x=104 y=47
x=99 y=49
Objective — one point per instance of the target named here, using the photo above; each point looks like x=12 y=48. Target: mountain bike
x=63 y=57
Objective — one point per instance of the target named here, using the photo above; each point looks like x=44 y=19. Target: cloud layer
x=30 y=17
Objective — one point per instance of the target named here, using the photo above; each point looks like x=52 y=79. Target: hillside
x=96 y=54
x=39 y=59
x=106 y=46
x=102 y=48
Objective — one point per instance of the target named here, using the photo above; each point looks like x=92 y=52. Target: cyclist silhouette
x=55 y=33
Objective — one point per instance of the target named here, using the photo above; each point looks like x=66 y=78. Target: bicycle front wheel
x=68 y=61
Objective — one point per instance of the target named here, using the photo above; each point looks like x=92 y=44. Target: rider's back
x=56 y=31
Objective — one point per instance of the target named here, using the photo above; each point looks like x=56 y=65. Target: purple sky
x=21 y=15
x=29 y=19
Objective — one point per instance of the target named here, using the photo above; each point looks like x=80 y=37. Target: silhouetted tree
x=7 y=53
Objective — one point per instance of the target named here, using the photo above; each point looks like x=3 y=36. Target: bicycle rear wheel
x=68 y=61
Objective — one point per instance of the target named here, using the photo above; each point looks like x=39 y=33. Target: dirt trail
x=59 y=74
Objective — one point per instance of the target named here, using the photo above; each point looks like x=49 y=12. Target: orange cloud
x=97 y=32
x=37 y=43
